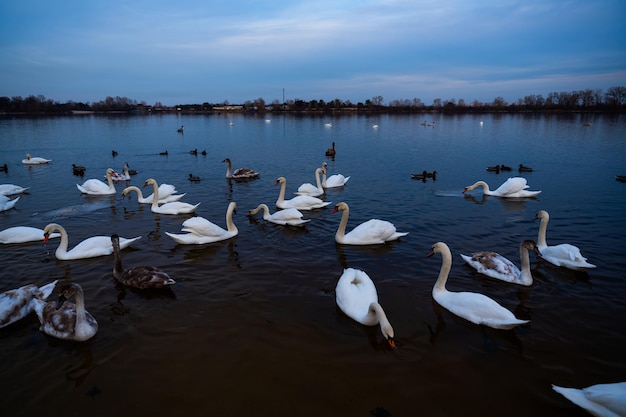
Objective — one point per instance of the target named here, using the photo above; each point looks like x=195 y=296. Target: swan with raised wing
x=239 y=173
x=6 y=203
x=357 y=297
x=313 y=190
x=371 y=232
x=97 y=187
x=18 y=303
x=23 y=234
x=513 y=187
x=497 y=266
x=89 y=248
x=602 y=400
x=140 y=277
x=64 y=319
x=564 y=255
x=300 y=202
x=12 y=189
x=148 y=200
x=335 y=180
x=173 y=207
x=201 y=230
x=474 y=307
x=35 y=160
x=288 y=216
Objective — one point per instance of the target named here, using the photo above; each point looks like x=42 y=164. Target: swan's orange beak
x=392 y=343
x=464 y=190
x=45 y=237
x=431 y=253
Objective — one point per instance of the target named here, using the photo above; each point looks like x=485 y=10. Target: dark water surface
x=251 y=326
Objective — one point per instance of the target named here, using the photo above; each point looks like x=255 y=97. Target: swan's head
x=542 y=214
x=226 y=160
x=438 y=247
x=149 y=181
x=49 y=229
x=280 y=180
x=68 y=291
x=531 y=245
x=324 y=165
x=115 y=241
x=340 y=206
x=110 y=172
x=28 y=156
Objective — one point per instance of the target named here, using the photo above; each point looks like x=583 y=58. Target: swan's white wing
x=287 y=214
x=304 y=202
x=309 y=189
x=10 y=189
x=166 y=190
x=94 y=186
x=565 y=255
x=599 y=400
x=478 y=309
x=202 y=227
x=510 y=186
x=336 y=180
x=373 y=231
x=354 y=293
x=22 y=234
x=6 y=203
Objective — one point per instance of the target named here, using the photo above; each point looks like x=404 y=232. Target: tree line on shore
x=589 y=100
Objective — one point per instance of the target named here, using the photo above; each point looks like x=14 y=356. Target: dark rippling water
x=251 y=326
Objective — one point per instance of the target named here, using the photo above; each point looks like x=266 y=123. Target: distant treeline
x=613 y=100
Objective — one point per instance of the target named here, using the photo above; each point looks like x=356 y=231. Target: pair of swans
x=239 y=173
x=23 y=234
x=18 y=303
x=497 y=266
x=64 y=319
x=602 y=400
x=124 y=176
x=300 y=202
x=356 y=296
x=140 y=277
x=166 y=194
x=201 y=230
x=474 y=307
x=564 y=255
x=97 y=187
x=6 y=203
x=334 y=181
x=89 y=248
x=35 y=160
x=371 y=232
x=511 y=188
x=313 y=190
x=289 y=216
x=172 y=207
x=12 y=189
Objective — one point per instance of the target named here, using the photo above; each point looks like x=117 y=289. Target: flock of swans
x=355 y=291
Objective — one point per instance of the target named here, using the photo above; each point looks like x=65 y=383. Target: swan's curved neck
x=229 y=219
x=229 y=170
x=485 y=186
x=541 y=236
x=318 y=171
x=324 y=178
x=266 y=210
x=62 y=248
x=137 y=190
x=110 y=181
x=525 y=277
x=385 y=326
x=281 y=195
x=155 y=198
x=446 y=265
x=341 y=230
x=82 y=328
x=117 y=265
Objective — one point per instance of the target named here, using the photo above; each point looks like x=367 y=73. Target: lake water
x=251 y=326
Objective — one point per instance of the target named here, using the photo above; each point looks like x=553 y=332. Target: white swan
x=6 y=203
x=513 y=187
x=11 y=189
x=124 y=176
x=371 y=232
x=141 y=277
x=35 y=160
x=497 y=266
x=173 y=207
x=601 y=400
x=564 y=255
x=334 y=181
x=300 y=202
x=203 y=231
x=356 y=296
x=313 y=190
x=239 y=173
x=289 y=216
x=18 y=303
x=88 y=248
x=474 y=307
x=66 y=320
x=148 y=200
x=97 y=187
x=23 y=234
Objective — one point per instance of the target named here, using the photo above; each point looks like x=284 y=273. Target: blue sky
x=198 y=51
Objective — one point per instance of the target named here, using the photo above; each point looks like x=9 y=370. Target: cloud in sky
x=197 y=51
